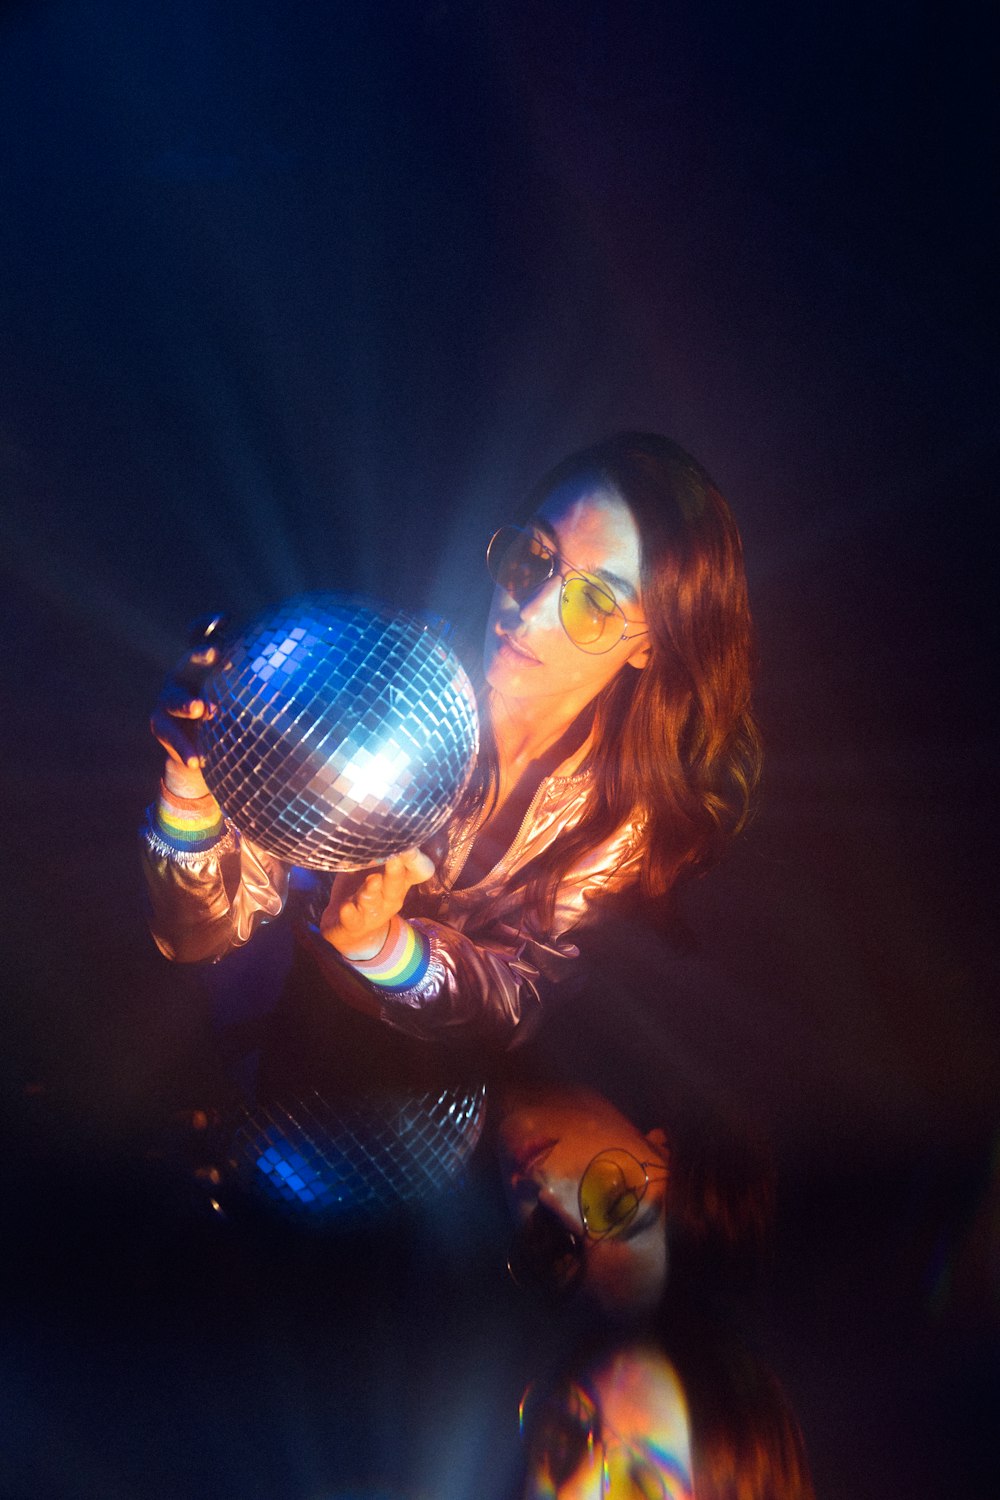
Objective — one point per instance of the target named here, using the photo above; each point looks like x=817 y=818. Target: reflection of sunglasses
x=566 y=1432
x=547 y=1254
x=521 y=562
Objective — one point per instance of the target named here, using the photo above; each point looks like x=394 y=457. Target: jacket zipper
x=508 y=858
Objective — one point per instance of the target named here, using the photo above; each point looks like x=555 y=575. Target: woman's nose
x=543 y=605
x=560 y=1199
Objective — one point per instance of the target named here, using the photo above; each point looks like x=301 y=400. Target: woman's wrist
x=361 y=952
x=185 y=781
x=400 y=962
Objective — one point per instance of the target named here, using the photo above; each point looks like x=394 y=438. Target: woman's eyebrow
x=621 y=586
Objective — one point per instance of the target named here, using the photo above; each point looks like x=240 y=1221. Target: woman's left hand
x=356 y=920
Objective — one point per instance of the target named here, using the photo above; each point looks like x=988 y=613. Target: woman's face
x=528 y=654
x=547 y=1139
x=634 y=1407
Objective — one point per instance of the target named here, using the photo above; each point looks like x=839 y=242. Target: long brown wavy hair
x=675 y=744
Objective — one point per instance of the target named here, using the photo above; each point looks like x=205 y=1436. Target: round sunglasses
x=521 y=562
x=547 y=1255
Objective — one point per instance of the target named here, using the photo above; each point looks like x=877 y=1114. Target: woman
x=619 y=753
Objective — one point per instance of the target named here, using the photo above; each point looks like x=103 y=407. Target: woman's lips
x=516 y=648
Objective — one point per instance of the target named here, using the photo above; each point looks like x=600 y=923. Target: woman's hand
x=176 y=716
x=356 y=920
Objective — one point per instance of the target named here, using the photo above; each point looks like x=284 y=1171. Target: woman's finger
x=196 y=664
x=351 y=917
x=394 y=883
x=417 y=866
x=186 y=683
x=183 y=704
x=399 y=873
x=175 y=736
x=177 y=700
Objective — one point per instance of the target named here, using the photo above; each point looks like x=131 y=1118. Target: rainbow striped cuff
x=188 y=824
x=401 y=962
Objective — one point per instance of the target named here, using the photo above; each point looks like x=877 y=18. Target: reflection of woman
x=618 y=752
x=620 y=1428
x=602 y=1211
x=708 y=1423
x=589 y=1194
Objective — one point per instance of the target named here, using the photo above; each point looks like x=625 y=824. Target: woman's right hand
x=174 y=722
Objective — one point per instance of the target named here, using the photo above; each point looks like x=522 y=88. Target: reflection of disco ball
x=330 y=1163
x=346 y=731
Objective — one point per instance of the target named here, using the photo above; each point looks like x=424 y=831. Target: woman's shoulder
x=612 y=861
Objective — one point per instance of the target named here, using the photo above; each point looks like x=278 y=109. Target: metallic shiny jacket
x=491 y=962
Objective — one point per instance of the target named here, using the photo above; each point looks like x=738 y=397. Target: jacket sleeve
x=488 y=973
x=491 y=989
x=491 y=980
x=201 y=904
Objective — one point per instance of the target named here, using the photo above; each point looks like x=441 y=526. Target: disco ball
x=343 y=1161
x=345 y=732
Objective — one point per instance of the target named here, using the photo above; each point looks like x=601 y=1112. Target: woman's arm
x=485 y=975
x=207 y=888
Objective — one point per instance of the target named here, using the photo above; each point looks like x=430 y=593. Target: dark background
x=304 y=296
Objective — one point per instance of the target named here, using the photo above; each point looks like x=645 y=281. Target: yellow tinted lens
x=611 y=1191
x=589 y=612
